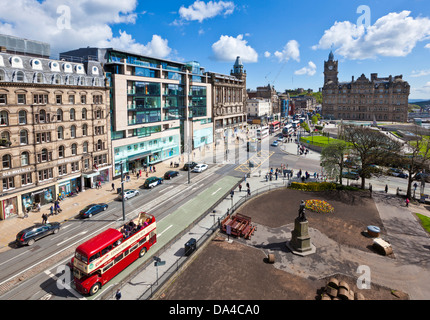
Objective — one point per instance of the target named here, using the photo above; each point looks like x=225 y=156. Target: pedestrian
x=370 y=189
x=153 y=169
x=249 y=191
x=100 y=184
x=137 y=176
x=231 y=194
x=386 y=188
x=57 y=208
x=113 y=186
x=240 y=187
x=247 y=185
x=118 y=295
x=140 y=172
x=407 y=202
x=44 y=218
x=51 y=209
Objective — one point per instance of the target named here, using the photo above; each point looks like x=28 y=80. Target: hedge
x=313 y=186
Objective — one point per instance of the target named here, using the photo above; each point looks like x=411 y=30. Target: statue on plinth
x=302 y=216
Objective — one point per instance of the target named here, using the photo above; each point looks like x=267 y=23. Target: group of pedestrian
x=301 y=150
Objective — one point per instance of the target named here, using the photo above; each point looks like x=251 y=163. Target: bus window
x=81 y=257
x=94 y=257
x=106 y=250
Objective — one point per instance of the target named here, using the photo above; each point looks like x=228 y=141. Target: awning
x=90 y=175
x=140 y=155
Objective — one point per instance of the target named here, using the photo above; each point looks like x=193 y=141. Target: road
x=40 y=266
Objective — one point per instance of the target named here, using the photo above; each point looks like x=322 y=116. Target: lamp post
x=158 y=263
x=122 y=191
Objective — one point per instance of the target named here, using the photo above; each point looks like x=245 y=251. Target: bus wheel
x=95 y=288
x=142 y=252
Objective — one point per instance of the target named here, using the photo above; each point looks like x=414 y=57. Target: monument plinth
x=300 y=242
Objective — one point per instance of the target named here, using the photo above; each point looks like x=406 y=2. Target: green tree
x=371 y=146
x=332 y=158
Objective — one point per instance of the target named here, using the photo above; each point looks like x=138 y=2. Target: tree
x=332 y=158
x=416 y=156
x=371 y=146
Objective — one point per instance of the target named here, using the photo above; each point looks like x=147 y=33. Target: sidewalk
x=72 y=205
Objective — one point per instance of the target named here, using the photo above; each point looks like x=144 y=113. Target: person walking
x=240 y=187
x=118 y=295
x=386 y=188
x=44 y=218
x=249 y=191
x=370 y=189
x=51 y=209
x=407 y=202
x=113 y=186
x=57 y=208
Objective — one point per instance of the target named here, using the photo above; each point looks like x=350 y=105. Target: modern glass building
x=158 y=107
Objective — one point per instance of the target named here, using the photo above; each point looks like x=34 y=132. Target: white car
x=200 y=168
x=129 y=193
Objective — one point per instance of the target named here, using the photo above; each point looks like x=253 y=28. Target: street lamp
x=158 y=263
x=122 y=191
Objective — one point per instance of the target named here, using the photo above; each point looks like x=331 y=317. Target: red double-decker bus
x=101 y=258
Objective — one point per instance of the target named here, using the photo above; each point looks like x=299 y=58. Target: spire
x=331 y=56
x=238 y=67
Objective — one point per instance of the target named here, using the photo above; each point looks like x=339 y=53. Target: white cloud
x=424 y=89
x=267 y=54
x=157 y=47
x=310 y=70
x=200 y=10
x=420 y=73
x=393 y=35
x=427 y=46
x=227 y=48
x=71 y=24
x=290 y=51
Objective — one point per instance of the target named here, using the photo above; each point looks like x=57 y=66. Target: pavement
x=411 y=244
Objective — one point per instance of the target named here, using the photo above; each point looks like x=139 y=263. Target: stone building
x=268 y=92
x=228 y=101
x=54 y=128
x=160 y=109
x=380 y=99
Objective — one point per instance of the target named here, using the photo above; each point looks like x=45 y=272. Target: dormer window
x=95 y=70
x=55 y=66
x=36 y=64
x=79 y=69
x=67 y=67
x=19 y=76
x=16 y=62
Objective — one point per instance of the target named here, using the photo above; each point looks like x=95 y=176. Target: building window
x=59 y=115
x=23 y=137
x=5 y=135
x=3 y=98
x=44 y=156
x=75 y=166
x=72 y=114
x=7 y=162
x=84 y=114
x=38 y=78
x=8 y=183
x=22 y=117
x=71 y=99
x=97 y=99
x=62 y=170
x=98 y=130
x=59 y=99
x=84 y=129
x=40 y=99
x=20 y=76
x=99 y=145
x=4 y=118
x=25 y=159
x=26 y=179
x=61 y=152
x=21 y=98
x=84 y=99
x=74 y=149
x=85 y=147
x=45 y=174
x=60 y=133
x=73 y=132
x=98 y=114
x=86 y=164
x=2 y=75
x=41 y=117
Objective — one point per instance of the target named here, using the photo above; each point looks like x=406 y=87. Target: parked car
x=274 y=143
x=129 y=193
x=421 y=175
x=170 y=174
x=280 y=139
x=152 y=182
x=29 y=235
x=397 y=173
x=93 y=209
x=351 y=175
x=189 y=165
x=200 y=167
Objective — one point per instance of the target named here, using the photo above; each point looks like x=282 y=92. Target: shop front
x=9 y=208
x=43 y=196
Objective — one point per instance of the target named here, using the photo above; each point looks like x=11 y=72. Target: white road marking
x=159 y=234
x=76 y=235
x=216 y=191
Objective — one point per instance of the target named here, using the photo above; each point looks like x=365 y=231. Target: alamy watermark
x=64 y=20
x=364 y=19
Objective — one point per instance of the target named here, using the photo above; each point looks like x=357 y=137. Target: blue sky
x=281 y=42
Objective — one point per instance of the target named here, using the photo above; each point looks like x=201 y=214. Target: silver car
x=200 y=168
x=129 y=193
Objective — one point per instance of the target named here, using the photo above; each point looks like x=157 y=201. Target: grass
x=319 y=141
x=425 y=221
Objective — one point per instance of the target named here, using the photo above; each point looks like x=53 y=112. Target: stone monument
x=300 y=242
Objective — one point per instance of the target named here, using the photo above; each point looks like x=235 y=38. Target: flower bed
x=319 y=206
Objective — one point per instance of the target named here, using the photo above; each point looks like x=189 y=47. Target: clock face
x=330 y=67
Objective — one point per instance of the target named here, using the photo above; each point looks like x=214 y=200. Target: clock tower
x=330 y=69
